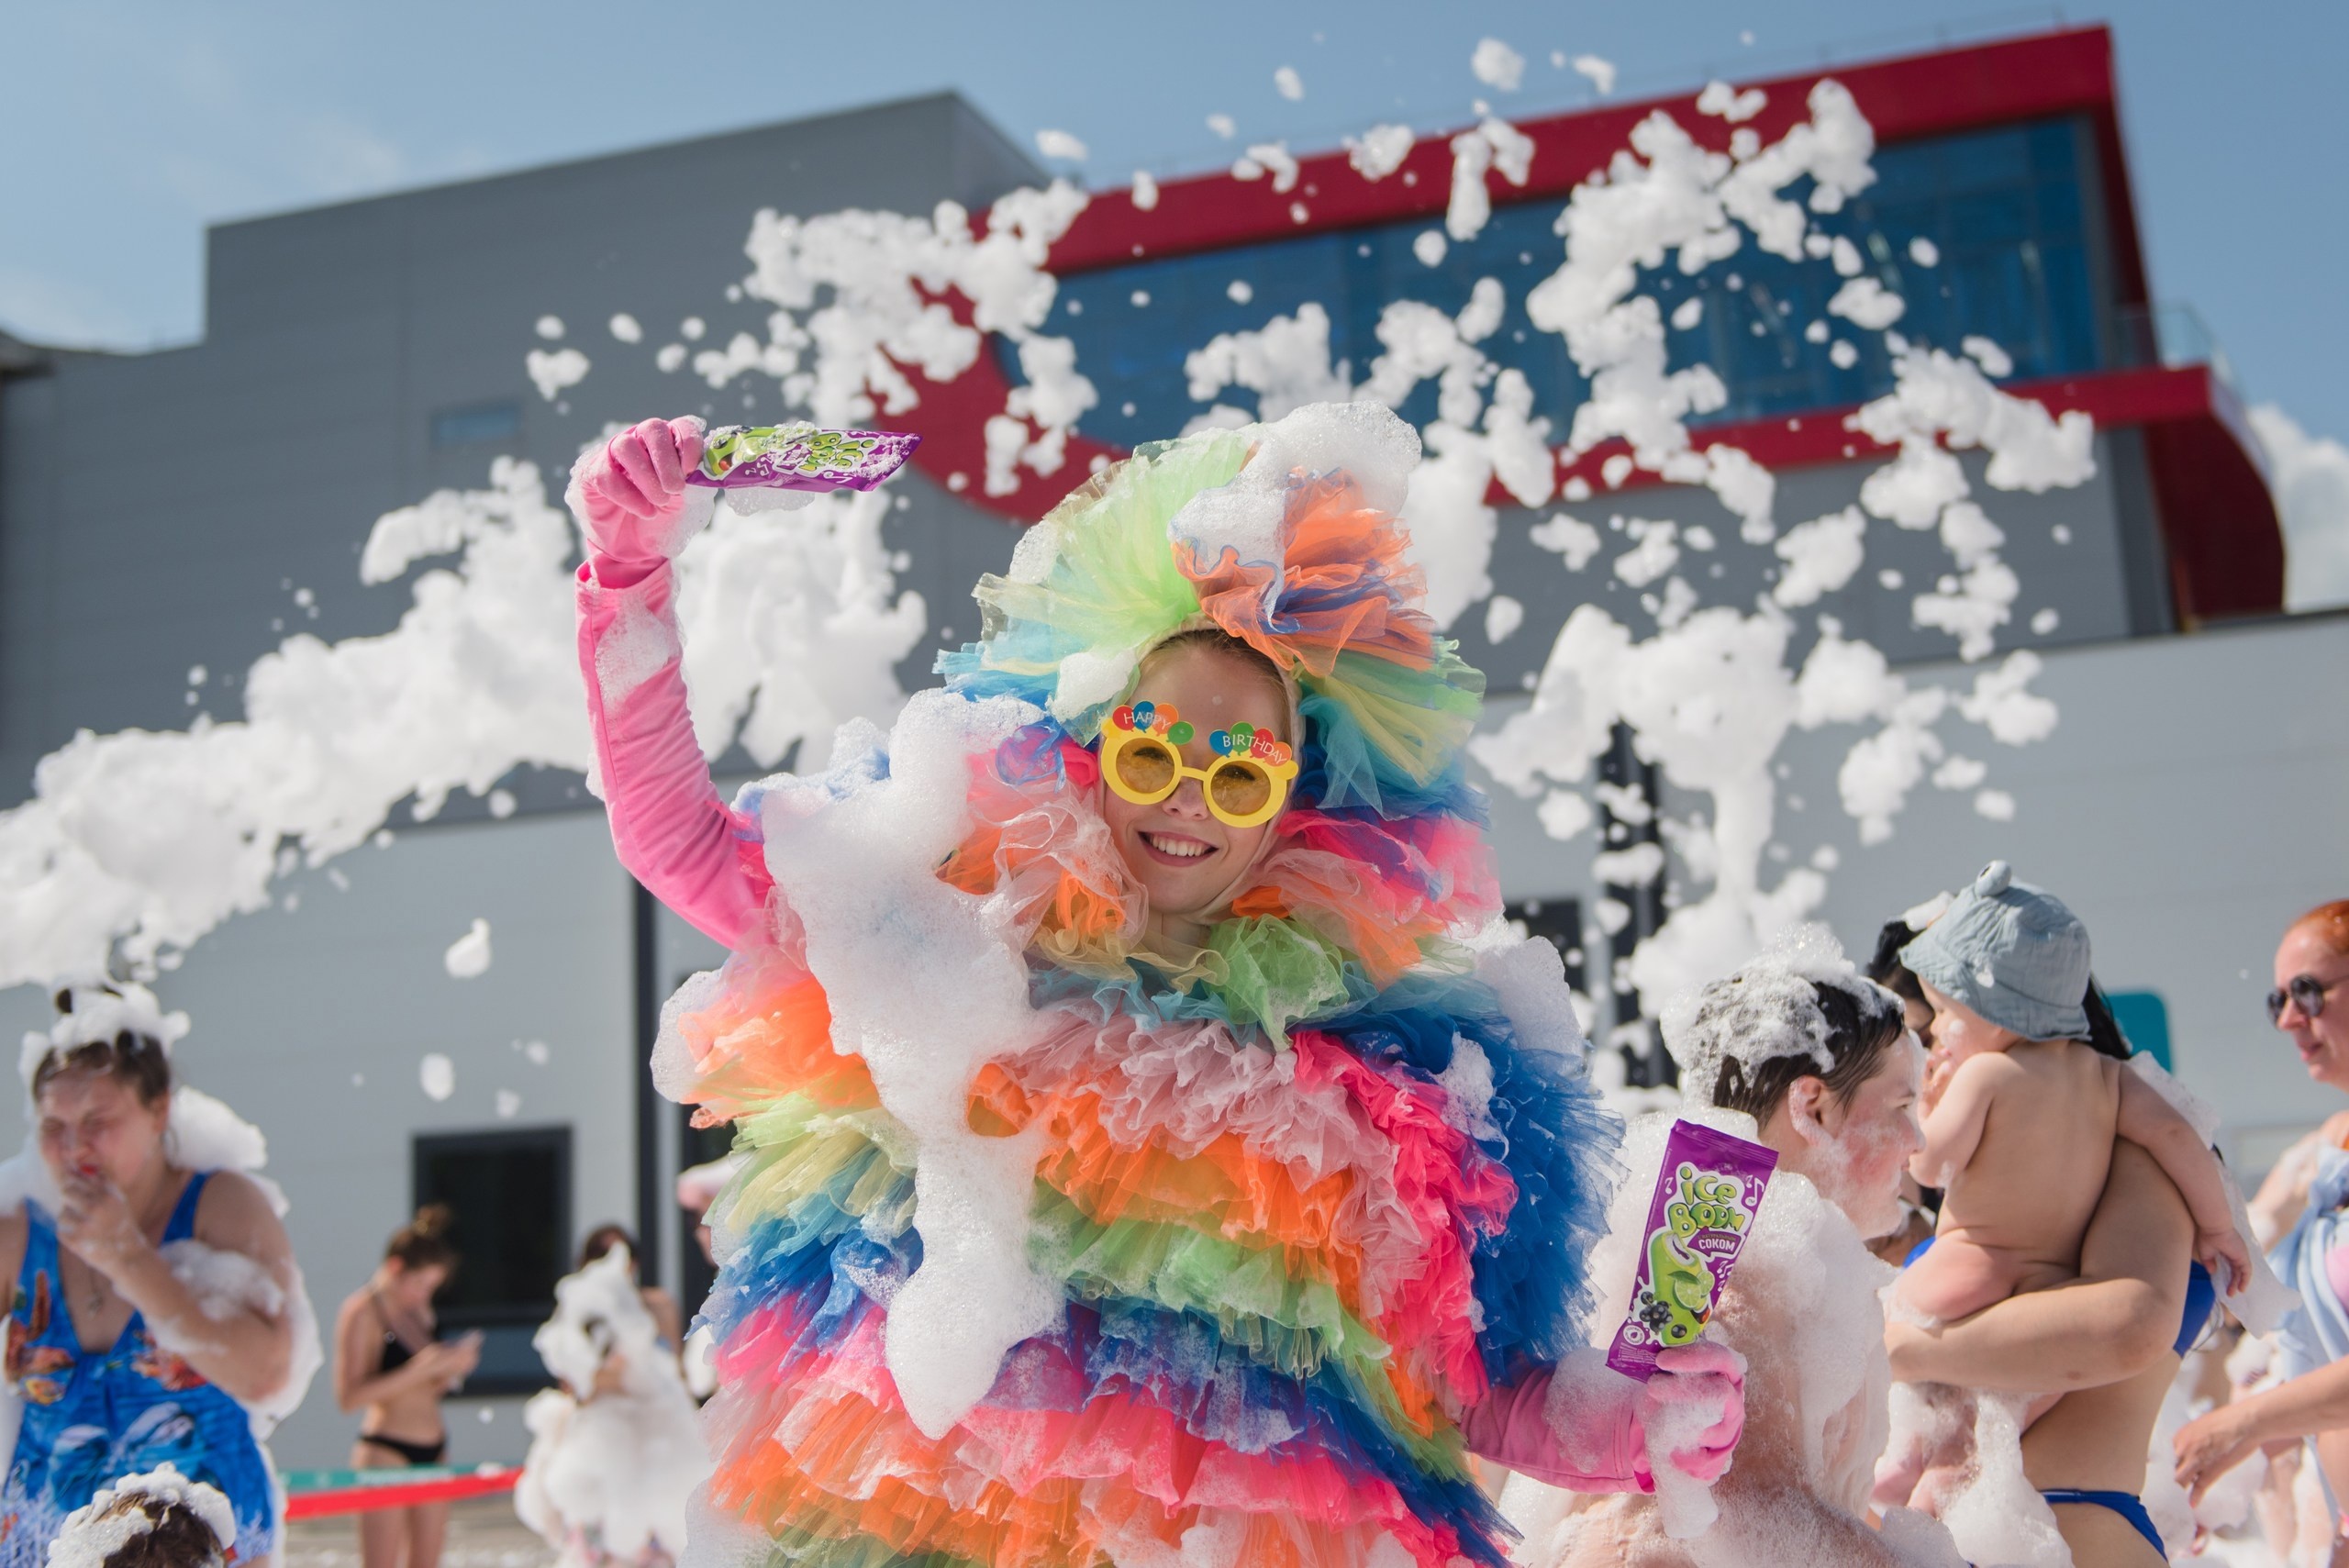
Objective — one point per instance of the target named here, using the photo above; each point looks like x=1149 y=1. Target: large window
x=511 y=1194
x=2006 y=216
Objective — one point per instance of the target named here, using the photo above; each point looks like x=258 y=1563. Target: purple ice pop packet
x=1706 y=1197
x=800 y=457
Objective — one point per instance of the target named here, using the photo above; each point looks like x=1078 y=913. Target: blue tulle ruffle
x=1556 y=1136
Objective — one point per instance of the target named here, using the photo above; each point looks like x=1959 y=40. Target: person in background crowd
x=389 y=1364
x=2304 y=1208
x=666 y=1315
x=1919 y=1203
x=698 y=1187
x=119 y=1361
x=616 y=1450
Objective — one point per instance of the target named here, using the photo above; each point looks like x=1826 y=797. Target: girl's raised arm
x=672 y=831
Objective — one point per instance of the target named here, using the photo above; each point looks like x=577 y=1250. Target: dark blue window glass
x=2005 y=209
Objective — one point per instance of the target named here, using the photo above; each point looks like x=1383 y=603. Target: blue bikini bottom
x=2126 y=1504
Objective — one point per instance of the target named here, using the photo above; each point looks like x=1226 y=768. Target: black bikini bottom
x=432 y=1452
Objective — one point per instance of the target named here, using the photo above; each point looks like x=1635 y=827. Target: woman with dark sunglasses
x=2305 y=1202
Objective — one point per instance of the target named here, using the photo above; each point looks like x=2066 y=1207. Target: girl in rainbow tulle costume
x=1243 y=1188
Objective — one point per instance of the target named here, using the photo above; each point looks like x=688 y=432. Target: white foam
x=1820 y=556
x=613 y=1469
x=552 y=371
x=93 y=1532
x=468 y=957
x=899 y=954
x=1497 y=65
x=100 y=1013
x=1380 y=150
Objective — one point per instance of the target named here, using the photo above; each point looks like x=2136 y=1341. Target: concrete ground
x=483 y=1534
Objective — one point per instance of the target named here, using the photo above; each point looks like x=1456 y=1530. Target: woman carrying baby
x=2030 y=1122
x=1823 y=1064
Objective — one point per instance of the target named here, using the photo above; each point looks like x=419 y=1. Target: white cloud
x=2311 y=477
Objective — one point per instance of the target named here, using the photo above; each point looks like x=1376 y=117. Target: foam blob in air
x=468 y=956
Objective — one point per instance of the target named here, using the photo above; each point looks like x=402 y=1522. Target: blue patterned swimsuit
x=92 y=1417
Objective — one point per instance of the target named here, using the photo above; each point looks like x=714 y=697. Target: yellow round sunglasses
x=1247 y=784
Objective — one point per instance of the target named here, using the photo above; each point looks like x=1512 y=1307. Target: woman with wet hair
x=390 y=1363
x=123 y=1361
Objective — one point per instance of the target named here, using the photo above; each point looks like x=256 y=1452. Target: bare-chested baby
x=2021 y=1136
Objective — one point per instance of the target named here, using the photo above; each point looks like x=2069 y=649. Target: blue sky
x=133 y=126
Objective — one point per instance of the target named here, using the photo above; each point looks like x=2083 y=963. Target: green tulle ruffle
x=1094 y=584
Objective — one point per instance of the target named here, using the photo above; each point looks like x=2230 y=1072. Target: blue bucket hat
x=2012 y=953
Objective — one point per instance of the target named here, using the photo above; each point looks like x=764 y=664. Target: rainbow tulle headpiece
x=1283 y=537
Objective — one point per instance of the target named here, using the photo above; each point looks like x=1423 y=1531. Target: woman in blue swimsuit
x=118 y=1365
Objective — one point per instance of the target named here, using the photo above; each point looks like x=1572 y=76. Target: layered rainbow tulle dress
x=1307 y=1191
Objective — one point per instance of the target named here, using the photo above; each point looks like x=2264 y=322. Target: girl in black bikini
x=389 y=1363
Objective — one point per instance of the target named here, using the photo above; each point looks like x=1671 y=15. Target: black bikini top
x=395 y=1354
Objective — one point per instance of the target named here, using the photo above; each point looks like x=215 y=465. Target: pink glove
x=1683 y=1375
x=630 y=496
x=1573 y=1425
x=1582 y=1426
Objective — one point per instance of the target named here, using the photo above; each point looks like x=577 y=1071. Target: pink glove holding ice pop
x=630 y=496
x=1691 y=1373
x=1582 y=1426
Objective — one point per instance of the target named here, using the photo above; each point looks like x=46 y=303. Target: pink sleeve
x=1600 y=1449
x=673 y=832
